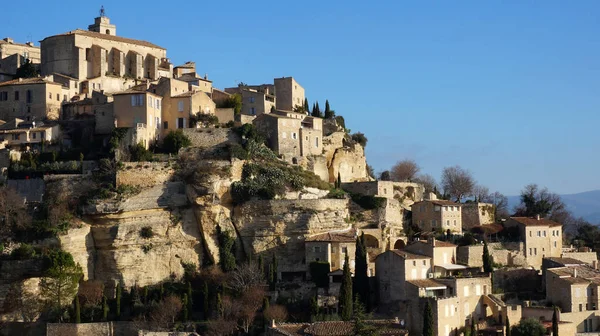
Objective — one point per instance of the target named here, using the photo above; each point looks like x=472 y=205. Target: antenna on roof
x=102 y=12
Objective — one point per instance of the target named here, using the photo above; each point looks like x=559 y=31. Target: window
x=158 y=103
x=424 y=262
x=317 y=142
x=455 y=222
x=150 y=101
x=180 y=106
x=544 y=233
x=554 y=244
x=252 y=111
x=16 y=136
x=448 y=222
x=452 y=310
x=50 y=95
x=294 y=136
x=65 y=98
x=477 y=289
x=530 y=233
x=414 y=263
x=137 y=100
x=57 y=97
x=251 y=99
x=157 y=119
x=535 y=250
x=29 y=97
x=344 y=250
x=539 y=234
x=333 y=249
x=530 y=251
x=88 y=54
x=466 y=292
x=580 y=307
x=317 y=249
x=16 y=95
x=180 y=122
x=34 y=134
x=165 y=124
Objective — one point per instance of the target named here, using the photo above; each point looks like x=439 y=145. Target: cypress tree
x=266 y=303
x=77 y=310
x=487 y=259
x=339 y=181
x=345 y=300
x=134 y=297
x=555 y=322
x=314 y=308
x=306 y=108
x=473 y=329
x=105 y=309
x=314 y=110
x=361 y=276
x=189 y=295
x=508 y=331
x=162 y=291
x=428 y=320
x=273 y=273
x=186 y=309
x=205 y=300
x=118 y=295
x=328 y=112
x=261 y=265
x=145 y=295
x=219 y=305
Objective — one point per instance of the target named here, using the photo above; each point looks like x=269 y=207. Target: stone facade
x=442 y=254
x=13 y=56
x=331 y=247
x=19 y=132
x=477 y=214
x=31 y=99
x=542 y=238
x=344 y=157
x=144 y=174
x=431 y=215
x=255 y=100
x=405 y=192
x=211 y=137
x=289 y=93
x=140 y=110
x=394 y=268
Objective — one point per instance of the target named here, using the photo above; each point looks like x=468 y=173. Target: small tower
x=102 y=24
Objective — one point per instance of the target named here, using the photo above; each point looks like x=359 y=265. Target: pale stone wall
x=289 y=93
x=586 y=257
x=477 y=214
x=429 y=216
x=577 y=322
x=145 y=118
x=225 y=115
x=144 y=174
x=45 y=103
x=211 y=137
x=350 y=163
x=392 y=272
x=470 y=255
x=509 y=254
x=91 y=329
x=8 y=48
x=406 y=192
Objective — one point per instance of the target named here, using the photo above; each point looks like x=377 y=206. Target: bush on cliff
x=176 y=140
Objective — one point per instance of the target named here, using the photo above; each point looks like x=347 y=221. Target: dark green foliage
x=336 y=193
x=339 y=181
x=273 y=274
x=139 y=153
x=319 y=273
x=488 y=262
x=368 y=202
x=219 y=305
x=226 y=251
x=27 y=70
x=266 y=303
x=555 y=322
x=473 y=328
x=234 y=101
x=306 y=107
x=261 y=264
x=175 y=140
x=204 y=119
x=507 y=327
x=329 y=114
x=24 y=251
x=60 y=281
x=428 y=320
x=316 y=111
x=360 y=327
x=118 y=296
x=314 y=308
x=117 y=136
x=186 y=307
x=529 y=327
x=360 y=138
x=146 y=232
x=77 y=310
x=205 y=300
x=340 y=121
x=190 y=295
x=105 y=309
x=345 y=299
x=361 y=276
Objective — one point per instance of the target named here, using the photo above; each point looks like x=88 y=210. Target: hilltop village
x=138 y=199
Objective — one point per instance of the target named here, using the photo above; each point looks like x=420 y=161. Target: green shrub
x=25 y=251
x=146 y=232
x=176 y=140
x=230 y=124
x=204 y=119
x=140 y=153
x=238 y=152
x=147 y=248
x=336 y=193
x=319 y=273
x=360 y=138
x=368 y=202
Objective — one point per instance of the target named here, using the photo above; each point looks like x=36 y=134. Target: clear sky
x=506 y=89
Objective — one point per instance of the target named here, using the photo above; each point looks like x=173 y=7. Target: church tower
x=102 y=24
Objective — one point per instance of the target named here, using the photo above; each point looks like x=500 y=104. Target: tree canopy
x=457 y=182
x=27 y=70
x=404 y=170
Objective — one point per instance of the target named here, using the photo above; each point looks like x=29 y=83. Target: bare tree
x=404 y=170
x=457 y=182
x=250 y=303
x=13 y=213
x=481 y=193
x=90 y=294
x=501 y=203
x=245 y=277
x=428 y=182
x=164 y=315
x=221 y=327
x=277 y=313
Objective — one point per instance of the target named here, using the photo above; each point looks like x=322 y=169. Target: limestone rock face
x=280 y=227
x=343 y=157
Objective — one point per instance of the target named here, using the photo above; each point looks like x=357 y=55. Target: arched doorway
x=371 y=241
x=399 y=244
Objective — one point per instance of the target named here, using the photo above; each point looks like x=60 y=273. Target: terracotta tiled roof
x=585 y=274
x=407 y=255
x=290 y=329
x=566 y=261
x=438 y=243
x=189 y=94
x=426 y=283
x=528 y=221
x=28 y=81
x=109 y=37
x=343 y=328
x=347 y=237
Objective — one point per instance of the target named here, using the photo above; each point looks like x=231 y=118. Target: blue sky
x=508 y=90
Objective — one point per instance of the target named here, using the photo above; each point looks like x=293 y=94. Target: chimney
x=431 y=196
x=575 y=273
x=205 y=76
x=537 y=217
x=9 y=40
x=29 y=44
x=595 y=264
x=273 y=324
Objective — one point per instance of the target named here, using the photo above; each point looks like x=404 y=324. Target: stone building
x=187 y=73
x=477 y=214
x=542 y=238
x=331 y=247
x=31 y=99
x=292 y=134
x=434 y=214
x=289 y=93
x=98 y=57
x=406 y=192
x=256 y=100
x=141 y=111
x=442 y=254
x=13 y=56
x=19 y=132
x=574 y=289
x=394 y=268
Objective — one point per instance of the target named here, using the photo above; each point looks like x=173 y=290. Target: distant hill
x=585 y=204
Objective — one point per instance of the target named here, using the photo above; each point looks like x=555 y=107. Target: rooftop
x=427 y=284
x=29 y=81
x=407 y=255
x=337 y=328
x=577 y=274
x=346 y=237
x=531 y=221
x=108 y=37
x=566 y=261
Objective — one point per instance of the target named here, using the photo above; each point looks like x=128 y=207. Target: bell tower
x=102 y=24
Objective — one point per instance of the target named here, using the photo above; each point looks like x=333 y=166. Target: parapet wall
x=586 y=257
x=91 y=329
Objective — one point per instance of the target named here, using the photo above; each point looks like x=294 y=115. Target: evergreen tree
x=226 y=251
x=473 y=329
x=58 y=287
x=161 y=291
x=273 y=273
x=314 y=308
x=555 y=322
x=27 y=70
x=190 y=293
x=219 y=305
x=314 y=110
x=508 y=331
x=329 y=114
x=145 y=295
x=186 y=308
x=266 y=303
x=118 y=295
x=487 y=259
x=345 y=300
x=339 y=181
x=306 y=107
x=359 y=316
x=77 y=310
x=261 y=265
x=105 y=309
x=428 y=320
x=361 y=269
x=205 y=300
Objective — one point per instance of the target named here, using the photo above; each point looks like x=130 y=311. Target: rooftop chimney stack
x=575 y=273
x=537 y=217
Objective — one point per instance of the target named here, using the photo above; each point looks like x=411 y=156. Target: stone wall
x=91 y=329
x=509 y=254
x=211 y=137
x=225 y=115
x=586 y=257
x=32 y=190
x=477 y=214
x=344 y=158
x=517 y=280
x=470 y=255
x=144 y=174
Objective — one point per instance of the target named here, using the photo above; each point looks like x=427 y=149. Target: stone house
x=19 y=132
x=394 y=269
x=574 y=289
x=434 y=214
x=31 y=99
x=406 y=192
x=289 y=93
x=476 y=214
x=139 y=110
x=291 y=134
x=99 y=53
x=256 y=100
x=331 y=247
x=187 y=73
x=13 y=55
x=542 y=238
x=442 y=254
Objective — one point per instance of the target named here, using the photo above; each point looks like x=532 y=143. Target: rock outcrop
x=343 y=157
